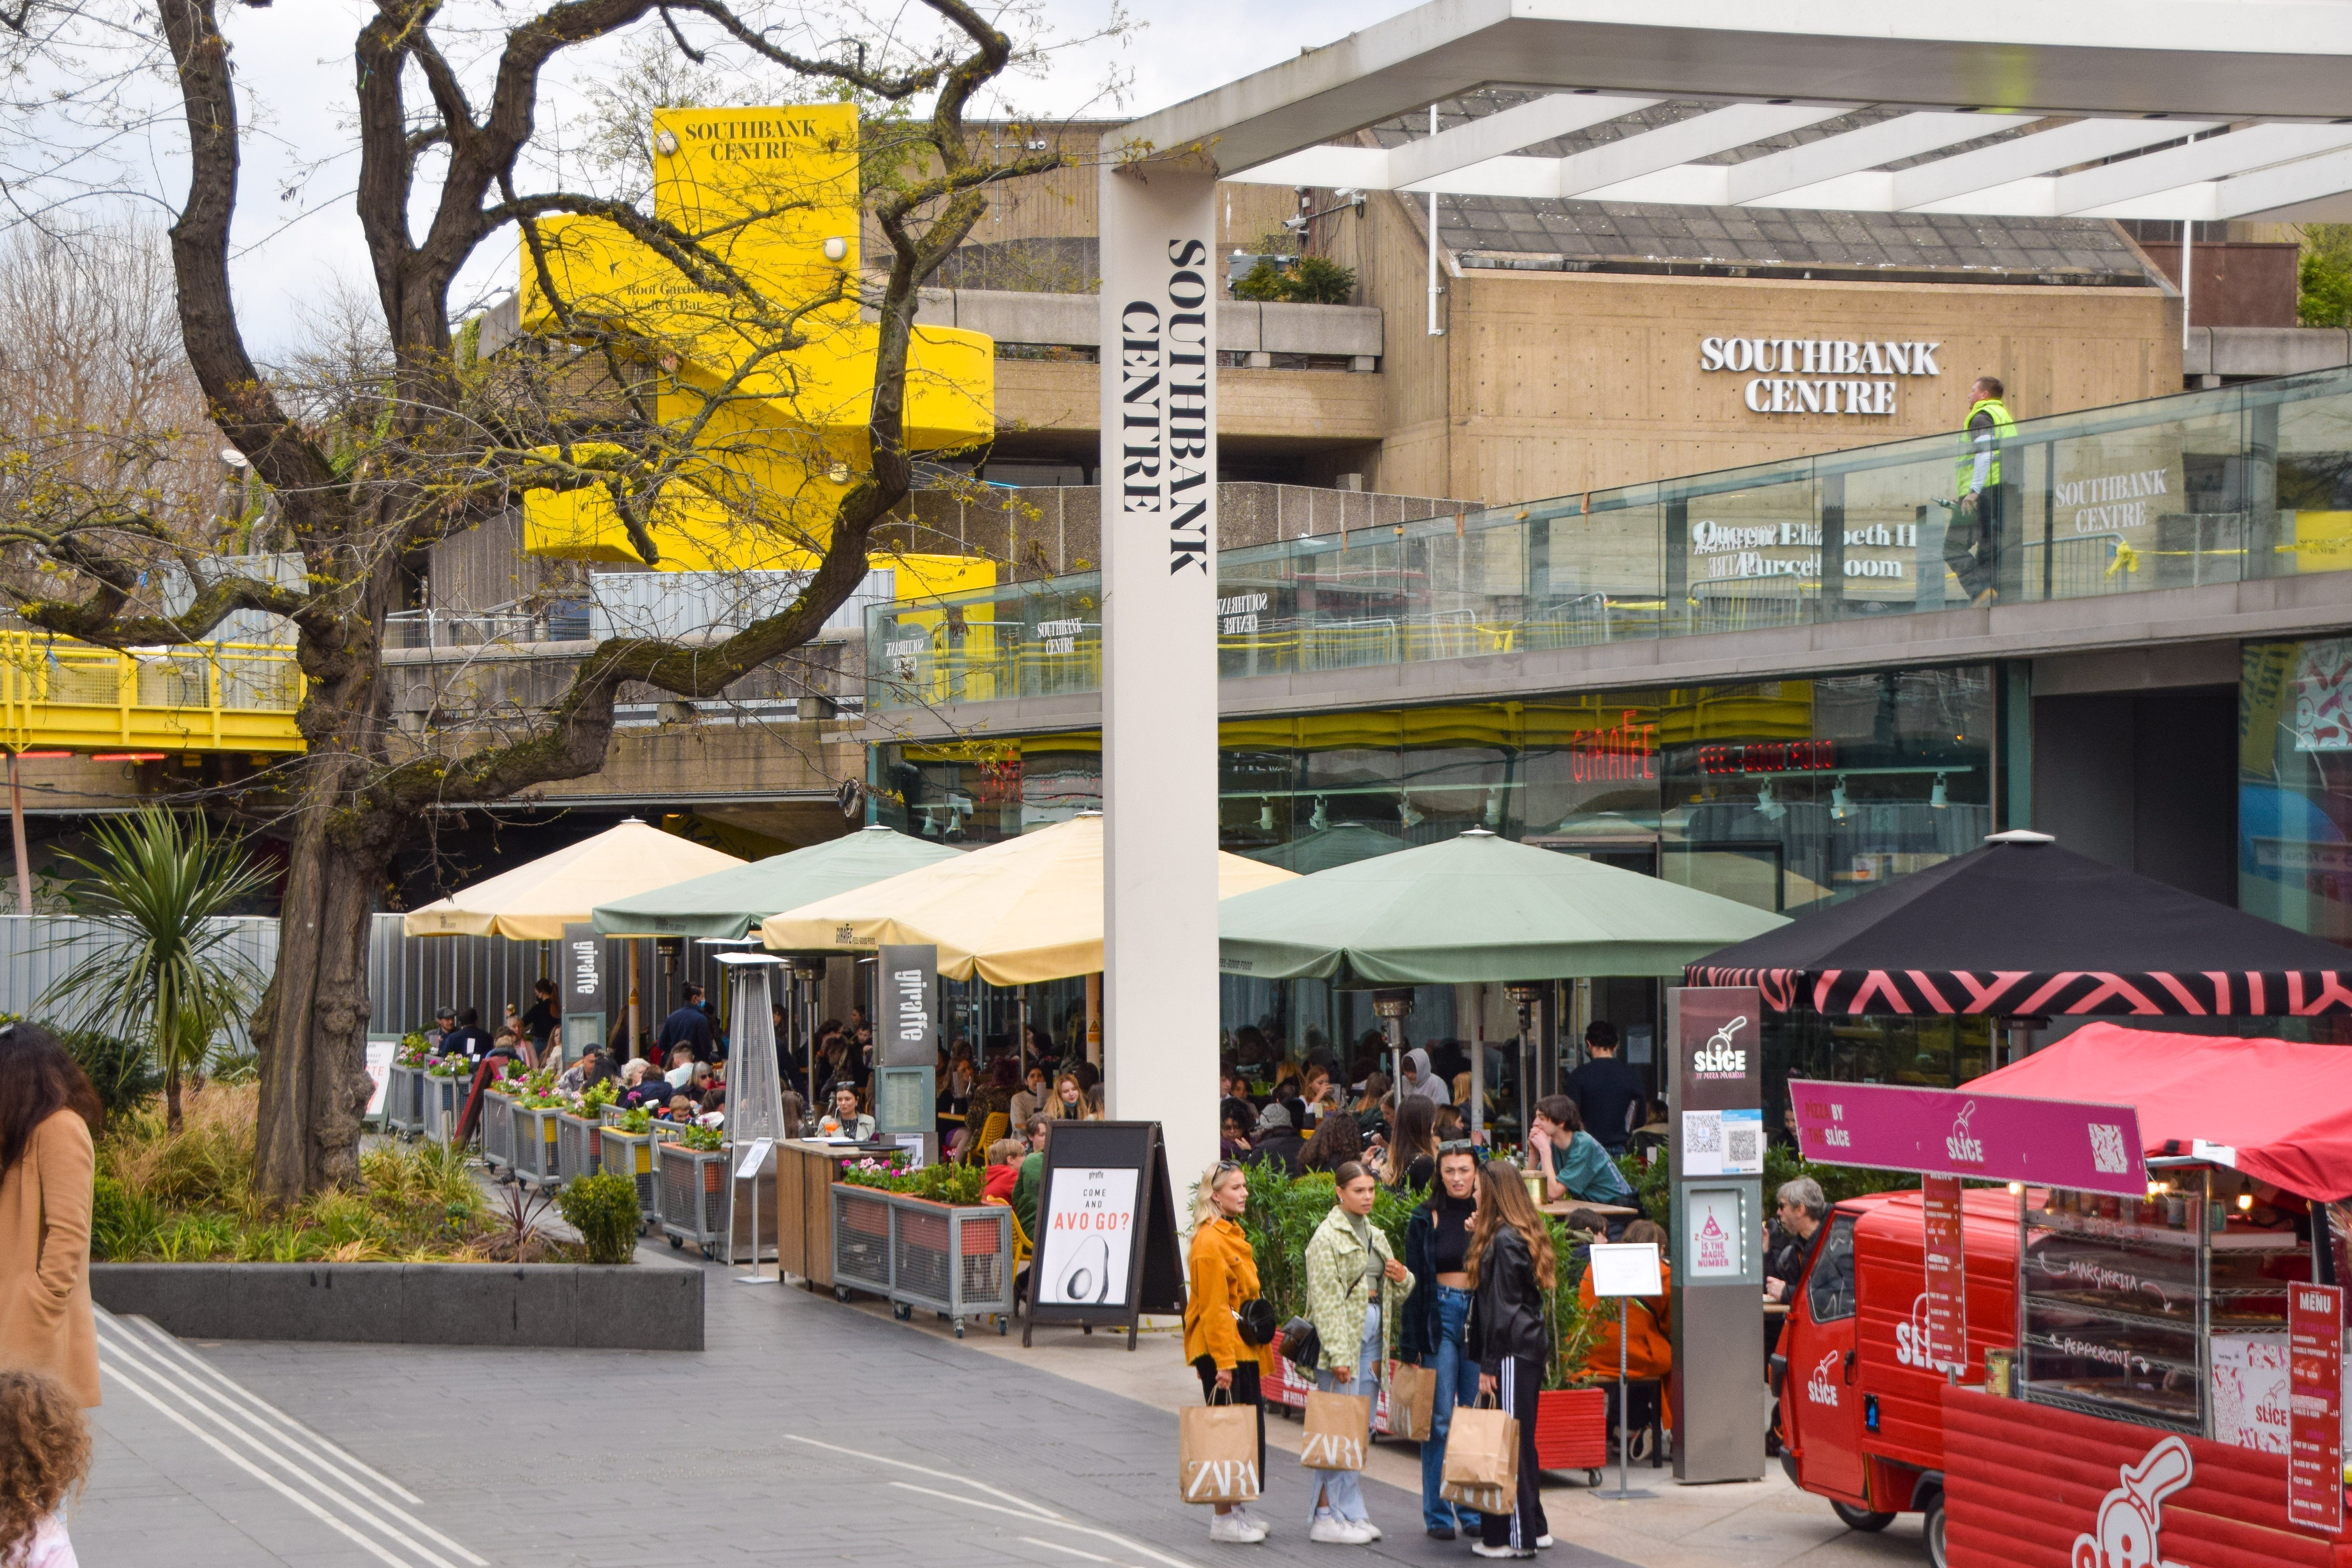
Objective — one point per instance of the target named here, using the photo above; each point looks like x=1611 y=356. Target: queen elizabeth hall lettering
x=1163 y=376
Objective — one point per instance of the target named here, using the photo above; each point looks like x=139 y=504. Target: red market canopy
x=2026 y=928
x=2280 y=1112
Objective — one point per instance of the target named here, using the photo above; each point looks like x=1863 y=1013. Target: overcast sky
x=295 y=232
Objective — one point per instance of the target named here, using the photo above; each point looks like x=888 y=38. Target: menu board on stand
x=2315 y=1455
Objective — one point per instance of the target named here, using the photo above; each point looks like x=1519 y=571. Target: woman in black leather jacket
x=1511 y=1266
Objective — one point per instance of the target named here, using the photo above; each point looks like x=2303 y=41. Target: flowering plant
x=413 y=1050
x=700 y=1139
x=882 y=1171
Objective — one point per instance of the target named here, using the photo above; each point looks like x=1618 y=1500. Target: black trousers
x=1245 y=1391
x=1972 y=544
x=1516 y=1387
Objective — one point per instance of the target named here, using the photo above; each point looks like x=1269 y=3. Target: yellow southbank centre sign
x=774 y=194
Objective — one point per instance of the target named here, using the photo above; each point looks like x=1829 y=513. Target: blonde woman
x=1224 y=1275
x=1355 y=1290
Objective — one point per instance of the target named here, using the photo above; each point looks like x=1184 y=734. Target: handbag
x=1255 y=1321
x=1302 y=1346
x=1216 y=1452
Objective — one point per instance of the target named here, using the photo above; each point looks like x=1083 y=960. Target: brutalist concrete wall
x=583 y=1306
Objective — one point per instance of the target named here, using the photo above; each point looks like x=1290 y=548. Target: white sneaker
x=1333 y=1532
x=1543 y=1542
x=1483 y=1550
x=1233 y=1529
x=1264 y=1529
x=1366 y=1524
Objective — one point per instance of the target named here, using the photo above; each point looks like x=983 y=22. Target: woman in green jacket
x=1355 y=1290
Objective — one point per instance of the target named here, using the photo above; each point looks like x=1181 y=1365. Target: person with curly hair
x=44 y=1457
x=48 y=1166
x=1337 y=1142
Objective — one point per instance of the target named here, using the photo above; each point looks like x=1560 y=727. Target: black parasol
x=2023 y=928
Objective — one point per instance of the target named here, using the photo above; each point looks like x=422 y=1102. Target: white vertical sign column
x=1159 y=654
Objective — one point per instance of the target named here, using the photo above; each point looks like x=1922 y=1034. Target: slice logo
x=1719 y=1057
x=1818 y=1387
x=2131 y=1517
x=1962 y=1148
x=1912 y=1345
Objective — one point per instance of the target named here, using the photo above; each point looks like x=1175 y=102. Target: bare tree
x=409 y=443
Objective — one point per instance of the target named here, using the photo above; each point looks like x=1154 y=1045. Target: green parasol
x=1475 y=909
x=732 y=902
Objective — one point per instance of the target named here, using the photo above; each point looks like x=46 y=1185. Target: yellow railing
x=217 y=696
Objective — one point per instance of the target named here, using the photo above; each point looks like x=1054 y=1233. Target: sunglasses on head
x=1457 y=1146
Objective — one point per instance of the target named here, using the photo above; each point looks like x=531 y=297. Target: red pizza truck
x=1861 y=1410
x=2167 y=1380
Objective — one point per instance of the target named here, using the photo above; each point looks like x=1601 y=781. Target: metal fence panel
x=408 y=976
x=37 y=950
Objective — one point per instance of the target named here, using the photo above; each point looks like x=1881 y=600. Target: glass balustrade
x=2212 y=487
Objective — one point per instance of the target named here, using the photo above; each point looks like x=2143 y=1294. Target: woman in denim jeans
x=1355 y=1288
x=1436 y=1316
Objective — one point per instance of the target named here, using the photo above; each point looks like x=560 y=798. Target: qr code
x=1740 y=1145
x=2107 y=1148
x=1703 y=1134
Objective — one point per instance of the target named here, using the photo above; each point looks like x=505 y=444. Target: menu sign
x=1946 y=1307
x=2314 y=1458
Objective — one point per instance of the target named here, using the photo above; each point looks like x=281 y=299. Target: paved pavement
x=806 y=1431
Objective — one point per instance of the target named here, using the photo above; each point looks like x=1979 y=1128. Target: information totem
x=1716 y=1166
x=581 y=983
x=907 y=1036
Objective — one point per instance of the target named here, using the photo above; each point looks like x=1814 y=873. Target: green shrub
x=946 y=1183
x=2324 y=278
x=1263 y=281
x=122 y=1071
x=1320 y=283
x=604 y=1209
x=122 y=1224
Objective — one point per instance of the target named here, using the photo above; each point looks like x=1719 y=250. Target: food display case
x=2168 y=1312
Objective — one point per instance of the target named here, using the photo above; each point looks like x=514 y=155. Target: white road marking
x=1112 y=1536
x=1039 y=1510
x=1074 y=1552
x=158 y=1340
x=125 y=1380
x=236 y=1424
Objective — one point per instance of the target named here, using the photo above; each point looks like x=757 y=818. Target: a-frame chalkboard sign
x=1107 y=1249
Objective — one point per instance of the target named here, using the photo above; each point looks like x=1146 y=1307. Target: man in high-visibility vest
x=1972 y=542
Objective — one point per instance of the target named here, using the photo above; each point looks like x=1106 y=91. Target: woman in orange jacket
x=1649 y=1334
x=1224 y=1275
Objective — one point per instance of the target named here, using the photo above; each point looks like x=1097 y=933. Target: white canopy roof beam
x=1421 y=164
x=1702 y=135
x=1889 y=141
x=1931 y=187
x=2215 y=158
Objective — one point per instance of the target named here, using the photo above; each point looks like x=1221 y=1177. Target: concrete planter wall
x=584 y=1306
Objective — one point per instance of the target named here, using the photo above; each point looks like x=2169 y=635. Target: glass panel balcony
x=2236 y=483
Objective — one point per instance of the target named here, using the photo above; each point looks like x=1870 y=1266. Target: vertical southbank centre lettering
x=1163 y=397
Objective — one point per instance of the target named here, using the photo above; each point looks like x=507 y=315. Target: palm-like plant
x=170 y=978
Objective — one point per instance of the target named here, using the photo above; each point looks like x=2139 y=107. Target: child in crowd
x=44 y=1455
x=1004 y=1158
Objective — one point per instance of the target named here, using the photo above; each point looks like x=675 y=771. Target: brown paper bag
x=1338 y=1428
x=1413 y=1400
x=1216 y=1453
x=1482 y=1460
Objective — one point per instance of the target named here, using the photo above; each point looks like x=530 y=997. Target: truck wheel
x=1860 y=1518
x=1933 y=1531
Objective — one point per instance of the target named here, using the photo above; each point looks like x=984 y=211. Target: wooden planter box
x=1572 y=1430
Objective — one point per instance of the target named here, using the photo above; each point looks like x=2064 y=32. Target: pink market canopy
x=2023 y=928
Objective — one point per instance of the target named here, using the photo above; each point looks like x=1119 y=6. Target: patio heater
x=807 y=974
x=1528 y=995
x=1388 y=1008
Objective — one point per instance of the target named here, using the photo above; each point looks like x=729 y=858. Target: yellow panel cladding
x=766 y=190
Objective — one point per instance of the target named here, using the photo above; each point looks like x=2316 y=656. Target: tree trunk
x=309 y=1032
x=172 y=1097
